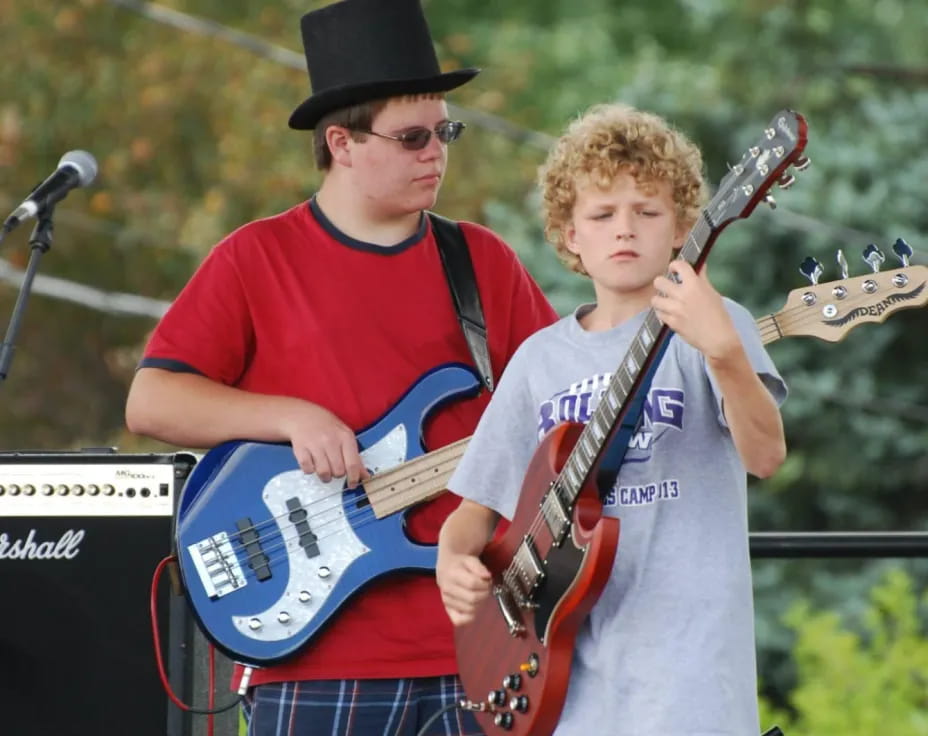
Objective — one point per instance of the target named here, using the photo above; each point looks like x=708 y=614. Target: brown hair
x=605 y=141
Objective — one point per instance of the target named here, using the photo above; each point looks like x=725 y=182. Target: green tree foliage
x=190 y=131
x=862 y=677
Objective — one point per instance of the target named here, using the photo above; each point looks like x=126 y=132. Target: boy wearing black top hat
x=308 y=326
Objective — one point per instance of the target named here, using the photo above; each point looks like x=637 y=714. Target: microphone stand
x=39 y=243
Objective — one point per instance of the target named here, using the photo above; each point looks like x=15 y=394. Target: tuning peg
x=874 y=256
x=842 y=263
x=786 y=181
x=811 y=269
x=903 y=251
x=771 y=201
x=802 y=163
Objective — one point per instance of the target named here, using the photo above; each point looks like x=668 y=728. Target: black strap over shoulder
x=459 y=270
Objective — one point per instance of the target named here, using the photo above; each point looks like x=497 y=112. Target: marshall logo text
x=67 y=547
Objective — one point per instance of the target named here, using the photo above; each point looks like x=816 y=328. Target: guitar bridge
x=217 y=566
x=509 y=610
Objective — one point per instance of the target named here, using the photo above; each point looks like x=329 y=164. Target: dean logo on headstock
x=829 y=311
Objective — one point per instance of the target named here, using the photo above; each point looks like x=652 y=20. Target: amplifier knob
x=47 y=489
x=63 y=490
x=77 y=490
x=2 y=490
x=93 y=489
x=29 y=489
x=108 y=490
x=13 y=489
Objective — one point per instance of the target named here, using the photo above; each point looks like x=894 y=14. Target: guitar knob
x=504 y=721
x=512 y=682
x=903 y=251
x=802 y=163
x=811 y=269
x=519 y=703
x=496 y=697
x=874 y=256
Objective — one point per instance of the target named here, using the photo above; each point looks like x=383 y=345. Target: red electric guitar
x=553 y=561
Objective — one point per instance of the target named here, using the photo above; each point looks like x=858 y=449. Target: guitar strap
x=459 y=271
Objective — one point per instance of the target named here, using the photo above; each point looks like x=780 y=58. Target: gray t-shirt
x=669 y=646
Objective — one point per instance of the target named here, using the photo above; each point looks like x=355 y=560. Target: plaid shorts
x=358 y=708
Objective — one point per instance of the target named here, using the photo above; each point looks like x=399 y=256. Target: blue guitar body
x=269 y=554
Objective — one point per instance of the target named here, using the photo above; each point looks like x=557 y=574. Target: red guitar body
x=515 y=659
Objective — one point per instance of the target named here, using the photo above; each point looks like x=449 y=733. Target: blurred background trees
x=185 y=104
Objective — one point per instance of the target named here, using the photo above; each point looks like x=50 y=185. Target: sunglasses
x=415 y=139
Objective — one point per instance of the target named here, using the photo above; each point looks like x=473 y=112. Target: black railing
x=838 y=544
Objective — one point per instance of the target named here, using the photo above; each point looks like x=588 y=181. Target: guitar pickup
x=308 y=540
x=216 y=564
x=257 y=560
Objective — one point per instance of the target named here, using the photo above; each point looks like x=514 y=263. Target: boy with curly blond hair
x=669 y=645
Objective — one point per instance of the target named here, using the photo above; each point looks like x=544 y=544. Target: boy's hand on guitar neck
x=692 y=308
x=322 y=443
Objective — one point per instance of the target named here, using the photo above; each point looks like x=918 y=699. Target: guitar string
x=274 y=522
x=384 y=482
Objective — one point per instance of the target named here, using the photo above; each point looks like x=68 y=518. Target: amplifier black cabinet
x=81 y=534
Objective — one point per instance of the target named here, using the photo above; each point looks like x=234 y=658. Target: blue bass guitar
x=268 y=554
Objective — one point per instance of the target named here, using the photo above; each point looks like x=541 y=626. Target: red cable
x=156 y=635
x=159 y=660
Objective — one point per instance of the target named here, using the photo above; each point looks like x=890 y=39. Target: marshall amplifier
x=80 y=536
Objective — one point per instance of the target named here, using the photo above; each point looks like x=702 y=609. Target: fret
x=642 y=350
x=572 y=474
x=621 y=384
x=631 y=365
x=585 y=452
x=614 y=402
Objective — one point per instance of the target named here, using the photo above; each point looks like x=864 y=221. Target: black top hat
x=362 y=50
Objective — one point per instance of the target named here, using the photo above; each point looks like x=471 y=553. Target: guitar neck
x=769 y=329
x=414 y=481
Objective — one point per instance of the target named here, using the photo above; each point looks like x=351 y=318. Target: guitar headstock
x=762 y=165
x=829 y=311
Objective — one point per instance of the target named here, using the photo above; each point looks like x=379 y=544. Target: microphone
x=76 y=169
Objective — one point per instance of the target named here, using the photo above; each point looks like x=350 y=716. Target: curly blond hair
x=605 y=141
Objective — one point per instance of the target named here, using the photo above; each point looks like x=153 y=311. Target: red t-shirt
x=290 y=306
